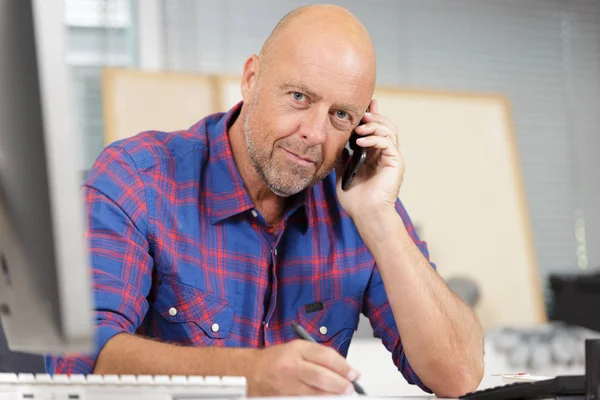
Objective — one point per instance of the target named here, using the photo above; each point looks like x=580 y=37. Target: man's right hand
x=300 y=368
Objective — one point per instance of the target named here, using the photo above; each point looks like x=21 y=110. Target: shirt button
x=254 y=213
x=267 y=325
x=215 y=327
x=172 y=311
x=275 y=251
x=323 y=330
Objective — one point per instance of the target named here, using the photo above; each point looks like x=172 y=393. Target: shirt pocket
x=192 y=316
x=334 y=323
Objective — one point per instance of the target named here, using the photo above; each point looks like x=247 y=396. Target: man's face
x=301 y=112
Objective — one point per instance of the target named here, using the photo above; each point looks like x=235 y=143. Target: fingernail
x=352 y=375
x=350 y=389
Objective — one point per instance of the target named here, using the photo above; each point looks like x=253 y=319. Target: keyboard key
x=95 y=379
x=233 y=381
x=129 y=380
x=162 y=380
x=43 y=379
x=179 y=380
x=112 y=380
x=77 y=379
x=26 y=378
x=196 y=380
x=8 y=378
x=60 y=379
x=212 y=380
x=145 y=380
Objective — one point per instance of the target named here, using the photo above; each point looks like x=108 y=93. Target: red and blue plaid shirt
x=179 y=253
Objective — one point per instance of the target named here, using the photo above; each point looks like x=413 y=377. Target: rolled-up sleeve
x=377 y=308
x=117 y=231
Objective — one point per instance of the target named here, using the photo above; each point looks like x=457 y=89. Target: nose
x=313 y=128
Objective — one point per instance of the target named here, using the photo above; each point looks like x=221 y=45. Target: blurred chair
x=466 y=289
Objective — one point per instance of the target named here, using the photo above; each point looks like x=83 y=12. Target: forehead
x=334 y=73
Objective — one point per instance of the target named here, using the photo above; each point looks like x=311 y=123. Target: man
x=208 y=243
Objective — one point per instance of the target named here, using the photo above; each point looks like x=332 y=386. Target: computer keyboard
x=119 y=387
x=572 y=386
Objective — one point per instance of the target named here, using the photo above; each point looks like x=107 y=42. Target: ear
x=250 y=77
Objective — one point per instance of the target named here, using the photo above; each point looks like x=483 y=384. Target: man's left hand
x=376 y=186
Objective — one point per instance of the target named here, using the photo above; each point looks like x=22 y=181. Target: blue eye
x=298 y=96
x=342 y=114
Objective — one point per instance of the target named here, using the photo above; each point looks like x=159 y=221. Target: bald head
x=320 y=25
x=304 y=94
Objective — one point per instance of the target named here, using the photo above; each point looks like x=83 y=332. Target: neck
x=268 y=203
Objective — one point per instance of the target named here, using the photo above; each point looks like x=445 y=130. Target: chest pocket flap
x=333 y=317
x=180 y=303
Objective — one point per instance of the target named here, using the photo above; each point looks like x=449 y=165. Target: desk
x=380 y=377
x=352 y=397
x=152 y=397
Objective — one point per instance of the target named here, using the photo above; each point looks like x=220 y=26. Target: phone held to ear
x=357 y=158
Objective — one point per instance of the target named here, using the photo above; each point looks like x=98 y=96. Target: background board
x=136 y=101
x=464 y=192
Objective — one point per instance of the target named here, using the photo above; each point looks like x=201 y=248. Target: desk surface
x=352 y=397
x=18 y=397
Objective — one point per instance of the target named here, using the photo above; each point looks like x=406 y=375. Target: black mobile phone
x=357 y=158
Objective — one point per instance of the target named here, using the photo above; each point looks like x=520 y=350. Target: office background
x=543 y=55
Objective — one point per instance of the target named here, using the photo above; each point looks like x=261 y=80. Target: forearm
x=130 y=354
x=441 y=336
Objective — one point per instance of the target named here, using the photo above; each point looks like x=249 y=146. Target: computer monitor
x=45 y=295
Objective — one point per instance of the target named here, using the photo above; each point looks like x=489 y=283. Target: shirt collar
x=229 y=195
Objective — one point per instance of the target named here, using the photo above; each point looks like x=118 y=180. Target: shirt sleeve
x=116 y=232
x=378 y=309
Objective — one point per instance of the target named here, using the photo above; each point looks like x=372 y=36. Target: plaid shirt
x=179 y=253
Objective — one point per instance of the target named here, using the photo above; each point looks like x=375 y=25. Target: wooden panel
x=135 y=101
x=464 y=191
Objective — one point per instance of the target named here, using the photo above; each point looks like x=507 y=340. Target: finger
x=374 y=106
x=371 y=127
x=384 y=144
x=381 y=131
x=299 y=388
x=375 y=128
x=371 y=117
x=322 y=379
x=330 y=359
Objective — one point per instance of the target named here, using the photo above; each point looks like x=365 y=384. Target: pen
x=302 y=334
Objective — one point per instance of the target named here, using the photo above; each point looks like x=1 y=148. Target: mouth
x=304 y=161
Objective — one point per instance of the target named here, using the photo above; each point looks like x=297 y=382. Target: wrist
x=378 y=223
x=248 y=361
x=254 y=372
x=380 y=229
